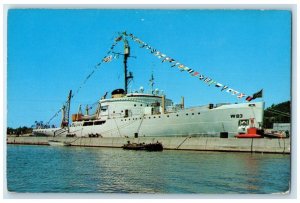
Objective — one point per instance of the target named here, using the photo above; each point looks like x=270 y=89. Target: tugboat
x=152 y=114
x=142 y=146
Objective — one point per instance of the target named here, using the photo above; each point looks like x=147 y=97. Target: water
x=111 y=170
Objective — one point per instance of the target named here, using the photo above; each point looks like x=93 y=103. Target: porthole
x=141 y=104
x=192 y=113
x=134 y=105
x=158 y=116
x=198 y=113
x=177 y=115
x=187 y=114
x=168 y=116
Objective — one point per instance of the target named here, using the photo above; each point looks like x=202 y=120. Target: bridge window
x=99 y=122
x=87 y=123
x=104 y=108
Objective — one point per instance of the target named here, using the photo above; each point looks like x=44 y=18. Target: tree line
x=19 y=130
x=279 y=113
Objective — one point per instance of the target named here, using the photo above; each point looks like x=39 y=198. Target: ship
x=151 y=114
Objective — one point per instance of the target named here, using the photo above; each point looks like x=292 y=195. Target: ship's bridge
x=132 y=104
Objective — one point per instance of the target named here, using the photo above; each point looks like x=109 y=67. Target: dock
x=252 y=145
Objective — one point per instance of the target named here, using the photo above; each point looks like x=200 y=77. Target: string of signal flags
x=194 y=73
x=110 y=55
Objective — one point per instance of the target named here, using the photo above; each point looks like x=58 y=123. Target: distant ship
x=152 y=114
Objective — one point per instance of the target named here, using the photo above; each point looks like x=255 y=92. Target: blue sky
x=53 y=51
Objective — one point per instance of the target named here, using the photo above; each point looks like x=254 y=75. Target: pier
x=252 y=145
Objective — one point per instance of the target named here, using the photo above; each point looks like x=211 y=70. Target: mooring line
x=182 y=142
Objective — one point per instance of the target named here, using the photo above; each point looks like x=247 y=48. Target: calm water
x=108 y=170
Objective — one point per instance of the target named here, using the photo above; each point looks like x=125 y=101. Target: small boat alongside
x=142 y=146
x=58 y=143
x=251 y=133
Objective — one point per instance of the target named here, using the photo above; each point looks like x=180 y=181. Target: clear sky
x=53 y=51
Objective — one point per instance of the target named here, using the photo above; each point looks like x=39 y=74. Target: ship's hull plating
x=196 y=121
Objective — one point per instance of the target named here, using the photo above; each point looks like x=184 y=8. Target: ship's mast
x=126 y=55
x=66 y=112
x=151 y=83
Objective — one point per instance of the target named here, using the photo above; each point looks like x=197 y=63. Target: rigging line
x=95 y=68
x=142 y=119
x=56 y=114
x=278 y=113
x=160 y=56
x=93 y=105
x=74 y=140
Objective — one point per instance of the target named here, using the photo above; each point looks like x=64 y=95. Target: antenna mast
x=126 y=55
x=151 y=82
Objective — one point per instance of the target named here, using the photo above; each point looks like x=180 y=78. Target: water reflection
x=106 y=170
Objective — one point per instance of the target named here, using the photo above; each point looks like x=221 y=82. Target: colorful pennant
x=209 y=81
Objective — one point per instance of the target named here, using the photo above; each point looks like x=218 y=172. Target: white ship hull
x=197 y=121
